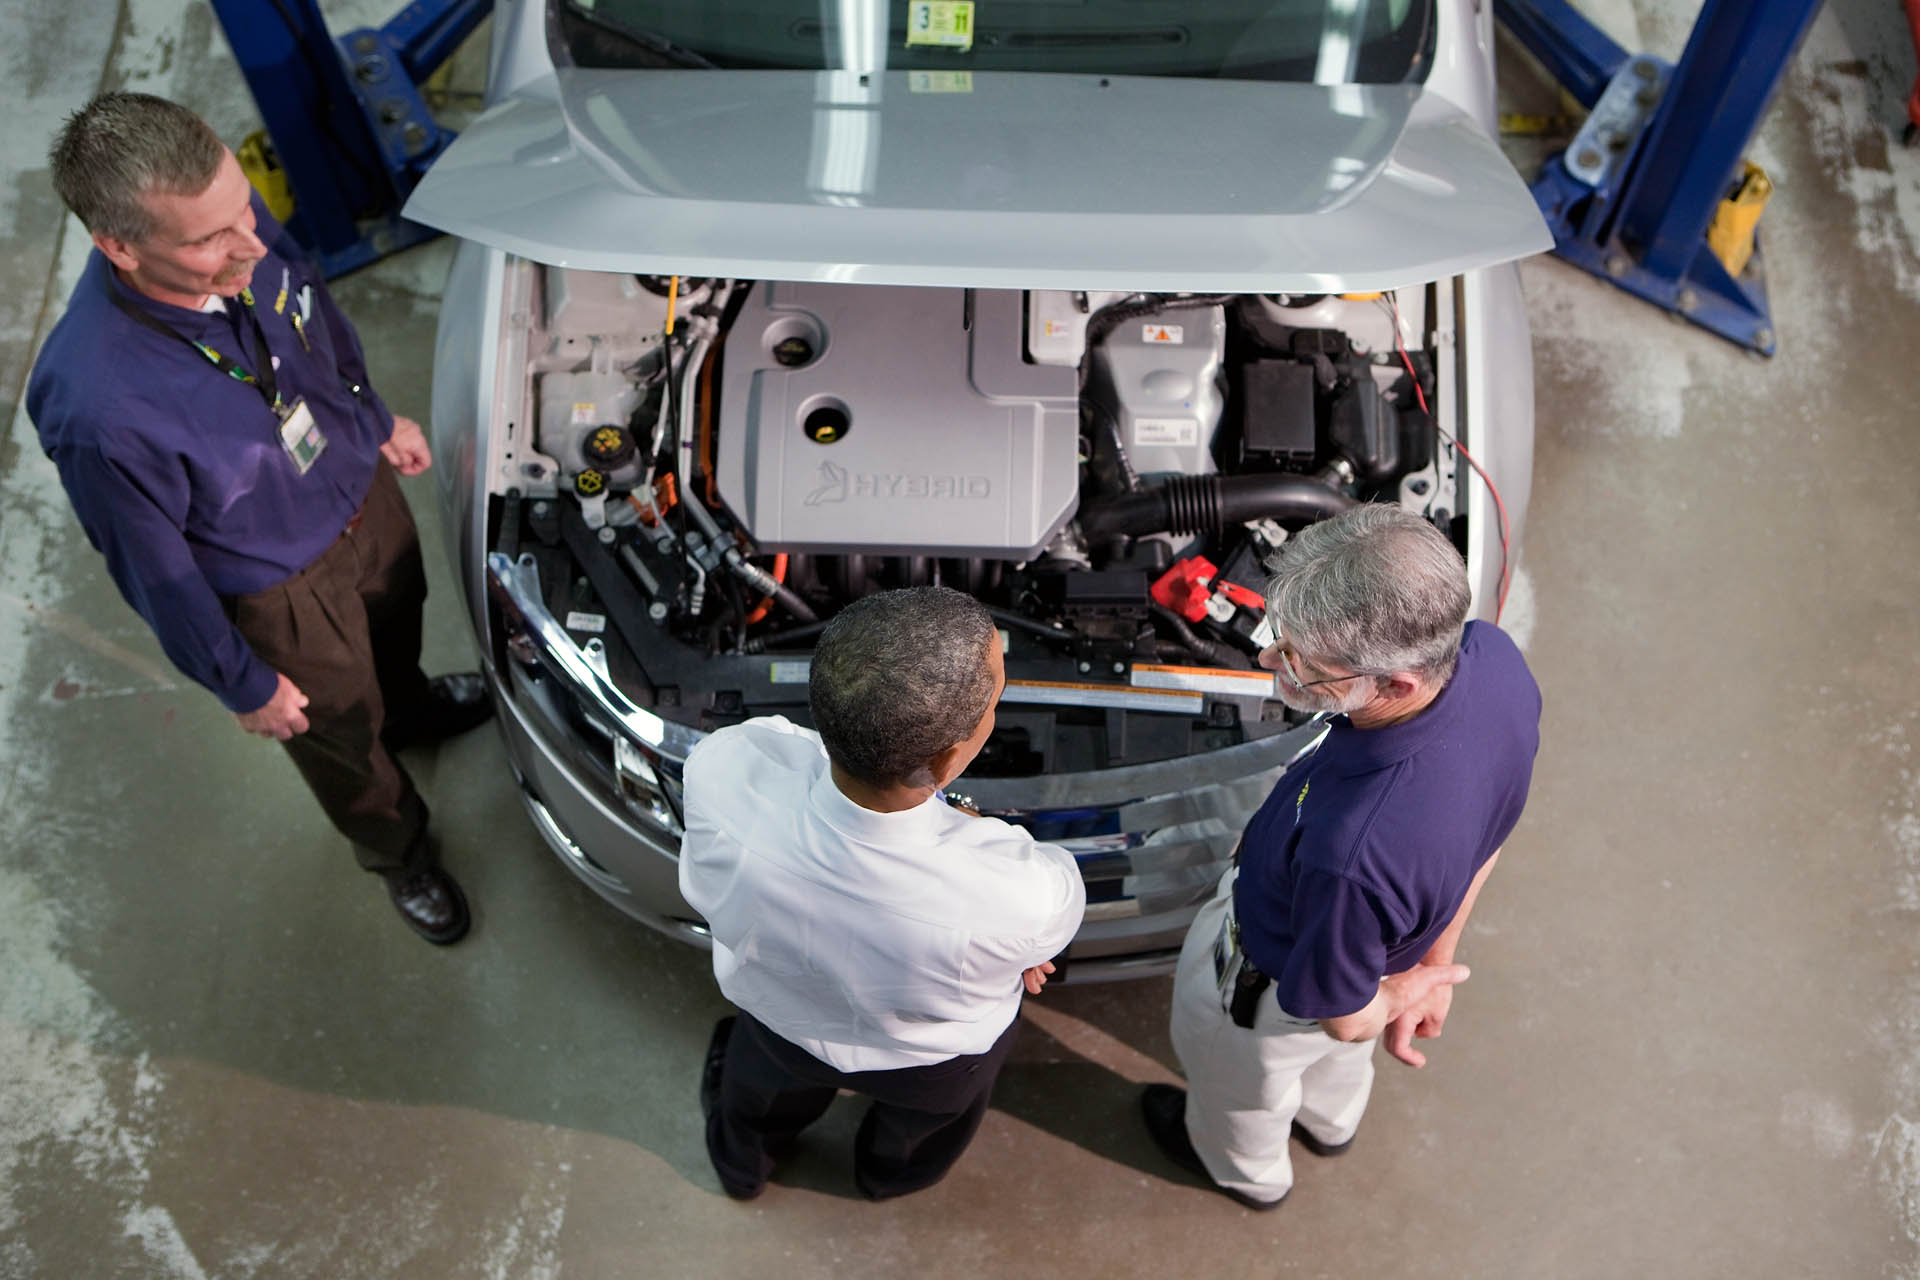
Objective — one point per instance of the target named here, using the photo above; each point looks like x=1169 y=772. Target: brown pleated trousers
x=346 y=630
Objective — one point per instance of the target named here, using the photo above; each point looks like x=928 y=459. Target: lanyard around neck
x=267 y=382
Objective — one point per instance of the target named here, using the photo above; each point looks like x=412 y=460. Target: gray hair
x=119 y=148
x=1376 y=588
x=897 y=678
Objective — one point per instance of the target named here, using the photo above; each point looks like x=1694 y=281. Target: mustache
x=237 y=270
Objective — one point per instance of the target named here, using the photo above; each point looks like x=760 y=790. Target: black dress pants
x=921 y=1120
x=346 y=631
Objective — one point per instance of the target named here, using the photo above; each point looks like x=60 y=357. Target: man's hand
x=281 y=718
x=1422 y=995
x=1036 y=977
x=407 y=447
x=1422 y=1021
x=1398 y=993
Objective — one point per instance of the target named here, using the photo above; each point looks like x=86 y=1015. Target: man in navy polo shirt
x=1355 y=878
x=208 y=409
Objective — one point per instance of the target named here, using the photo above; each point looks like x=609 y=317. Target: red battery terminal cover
x=1242 y=596
x=1185 y=587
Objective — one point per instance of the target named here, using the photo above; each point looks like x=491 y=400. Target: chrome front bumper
x=600 y=777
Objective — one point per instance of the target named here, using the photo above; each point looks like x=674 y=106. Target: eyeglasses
x=1288 y=658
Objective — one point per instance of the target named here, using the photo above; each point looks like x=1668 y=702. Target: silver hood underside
x=1020 y=181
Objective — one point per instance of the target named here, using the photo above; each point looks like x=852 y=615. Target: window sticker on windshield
x=940 y=81
x=946 y=23
x=1168 y=335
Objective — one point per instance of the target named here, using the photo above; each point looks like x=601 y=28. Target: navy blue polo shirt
x=176 y=470
x=1360 y=857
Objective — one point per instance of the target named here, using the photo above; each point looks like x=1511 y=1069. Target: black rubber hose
x=1109 y=428
x=792 y=635
x=1028 y=625
x=1208 y=504
x=794 y=604
x=1218 y=653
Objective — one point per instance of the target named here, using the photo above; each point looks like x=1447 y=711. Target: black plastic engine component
x=1365 y=429
x=1097 y=593
x=1369 y=430
x=1318 y=342
x=661 y=575
x=1208 y=504
x=1245 y=568
x=1276 y=413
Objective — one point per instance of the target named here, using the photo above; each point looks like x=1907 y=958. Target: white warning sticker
x=1184 y=432
x=1063 y=693
x=793 y=671
x=585 y=413
x=1238 y=684
x=592 y=622
x=1167 y=335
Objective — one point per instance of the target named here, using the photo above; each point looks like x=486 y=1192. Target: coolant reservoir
x=574 y=405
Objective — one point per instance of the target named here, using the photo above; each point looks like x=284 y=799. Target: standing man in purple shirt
x=208 y=409
x=1354 y=880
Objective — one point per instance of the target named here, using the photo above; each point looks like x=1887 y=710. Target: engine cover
x=894 y=421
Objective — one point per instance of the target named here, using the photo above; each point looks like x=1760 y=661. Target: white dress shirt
x=871 y=940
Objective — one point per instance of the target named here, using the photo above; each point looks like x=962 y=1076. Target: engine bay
x=707 y=470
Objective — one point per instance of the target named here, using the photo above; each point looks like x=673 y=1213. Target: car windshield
x=1310 y=41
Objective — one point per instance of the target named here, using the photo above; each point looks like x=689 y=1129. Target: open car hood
x=988 y=180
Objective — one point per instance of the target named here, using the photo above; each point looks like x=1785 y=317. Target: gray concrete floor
x=1691 y=1046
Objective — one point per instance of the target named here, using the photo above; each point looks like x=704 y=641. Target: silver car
x=1079 y=308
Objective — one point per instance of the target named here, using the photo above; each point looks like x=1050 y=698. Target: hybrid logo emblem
x=836 y=484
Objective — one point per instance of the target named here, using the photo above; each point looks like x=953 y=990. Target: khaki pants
x=1246 y=1086
x=346 y=630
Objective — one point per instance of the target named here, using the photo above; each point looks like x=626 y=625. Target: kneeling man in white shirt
x=874 y=938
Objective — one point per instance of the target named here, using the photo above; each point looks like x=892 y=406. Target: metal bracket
x=1632 y=198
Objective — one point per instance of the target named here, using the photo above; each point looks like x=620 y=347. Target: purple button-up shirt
x=176 y=470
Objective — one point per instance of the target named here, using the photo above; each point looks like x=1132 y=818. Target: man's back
x=1362 y=855
x=873 y=940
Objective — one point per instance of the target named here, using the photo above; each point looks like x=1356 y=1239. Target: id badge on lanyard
x=300 y=435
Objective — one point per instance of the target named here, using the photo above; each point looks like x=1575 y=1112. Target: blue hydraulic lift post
x=1575 y=52
x=348 y=123
x=1632 y=198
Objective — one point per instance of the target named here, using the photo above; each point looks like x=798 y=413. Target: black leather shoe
x=1316 y=1146
x=1164 y=1107
x=431 y=904
x=710 y=1070
x=455 y=703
